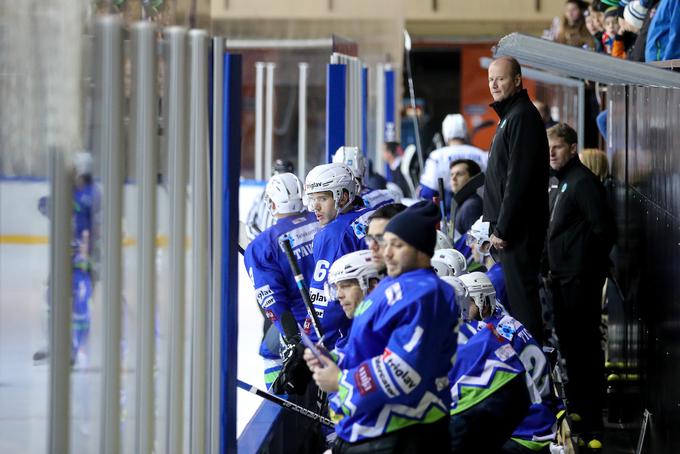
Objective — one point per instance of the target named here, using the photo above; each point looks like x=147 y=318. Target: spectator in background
x=626 y=37
x=611 y=28
x=596 y=161
x=644 y=9
x=593 y=18
x=580 y=236
x=544 y=110
x=663 y=38
x=572 y=30
x=515 y=196
x=392 y=153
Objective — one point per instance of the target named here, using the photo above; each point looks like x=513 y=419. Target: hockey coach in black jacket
x=516 y=196
x=580 y=237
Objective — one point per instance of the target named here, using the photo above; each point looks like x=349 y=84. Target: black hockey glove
x=295 y=374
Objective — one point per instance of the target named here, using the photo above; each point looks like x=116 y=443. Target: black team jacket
x=582 y=229
x=516 y=185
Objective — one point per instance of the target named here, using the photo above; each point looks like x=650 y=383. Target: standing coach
x=515 y=196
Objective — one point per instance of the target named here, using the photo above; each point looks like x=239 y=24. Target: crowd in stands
x=637 y=30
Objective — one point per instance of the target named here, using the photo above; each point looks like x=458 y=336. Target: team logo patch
x=393 y=293
x=503 y=123
x=504 y=352
x=564 y=187
x=364 y=380
x=271 y=315
x=506 y=330
x=406 y=377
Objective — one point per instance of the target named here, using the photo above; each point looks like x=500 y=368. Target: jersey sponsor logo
x=317 y=297
x=319 y=312
x=384 y=380
x=406 y=377
x=264 y=296
x=364 y=380
x=271 y=315
x=393 y=293
x=303 y=234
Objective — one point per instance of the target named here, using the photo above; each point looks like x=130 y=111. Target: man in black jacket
x=515 y=193
x=580 y=236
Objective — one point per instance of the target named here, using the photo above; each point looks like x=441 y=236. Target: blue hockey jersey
x=539 y=427
x=484 y=363
x=497 y=278
x=341 y=236
x=267 y=265
x=394 y=365
x=375 y=198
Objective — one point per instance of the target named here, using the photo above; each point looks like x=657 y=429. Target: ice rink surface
x=23 y=330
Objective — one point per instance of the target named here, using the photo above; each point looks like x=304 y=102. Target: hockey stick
x=412 y=94
x=285 y=404
x=300 y=281
x=442 y=208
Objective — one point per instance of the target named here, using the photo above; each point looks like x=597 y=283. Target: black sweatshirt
x=582 y=230
x=515 y=193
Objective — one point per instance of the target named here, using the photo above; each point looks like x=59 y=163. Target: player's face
x=376 y=242
x=323 y=205
x=459 y=176
x=349 y=295
x=502 y=84
x=560 y=152
x=472 y=310
x=399 y=256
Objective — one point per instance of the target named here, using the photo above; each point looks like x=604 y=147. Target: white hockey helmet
x=353 y=158
x=454 y=127
x=479 y=234
x=443 y=241
x=334 y=177
x=449 y=262
x=481 y=290
x=461 y=291
x=82 y=163
x=285 y=191
x=357 y=265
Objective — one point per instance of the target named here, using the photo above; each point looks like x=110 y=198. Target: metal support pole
x=177 y=145
x=302 y=120
x=198 y=149
x=364 y=109
x=231 y=161
x=269 y=121
x=581 y=115
x=259 y=110
x=379 y=76
x=216 y=245
x=109 y=144
x=61 y=235
x=145 y=146
x=335 y=108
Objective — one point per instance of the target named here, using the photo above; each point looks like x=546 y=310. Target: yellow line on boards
x=161 y=240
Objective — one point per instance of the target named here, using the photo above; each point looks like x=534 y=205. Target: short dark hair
x=515 y=68
x=387 y=211
x=563 y=131
x=392 y=147
x=472 y=166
